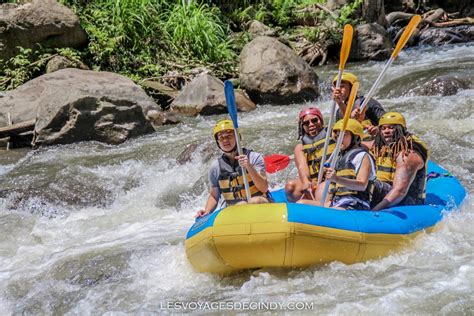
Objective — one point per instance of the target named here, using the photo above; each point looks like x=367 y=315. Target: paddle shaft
x=329 y=130
x=345 y=50
x=232 y=108
x=376 y=84
x=410 y=28
x=332 y=165
x=244 y=173
x=340 y=138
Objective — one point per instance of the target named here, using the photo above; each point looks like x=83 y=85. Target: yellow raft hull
x=260 y=235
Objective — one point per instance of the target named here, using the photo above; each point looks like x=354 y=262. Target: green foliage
x=142 y=38
x=258 y=12
x=284 y=11
x=312 y=34
x=148 y=38
x=195 y=30
x=347 y=11
x=21 y=68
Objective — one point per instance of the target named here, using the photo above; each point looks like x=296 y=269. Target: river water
x=92 y=228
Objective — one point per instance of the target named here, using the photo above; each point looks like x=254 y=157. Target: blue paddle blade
x=230 y=100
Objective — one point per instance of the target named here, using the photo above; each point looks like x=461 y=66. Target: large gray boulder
x=72 y=105
x=371 y=41
x=437 y=36
x=204 y=95
x=257 y=28
x=271 y=72
x=44 y=22
x=442 y=86
x=60 y=62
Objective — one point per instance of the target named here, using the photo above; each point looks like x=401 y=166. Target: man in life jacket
x=401 y=159
x=225 y=174
x=353 y=177
x=372 y=113
x=308 y=154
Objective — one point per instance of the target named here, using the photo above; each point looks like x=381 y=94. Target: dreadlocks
x=402 y=142
x=300 y=129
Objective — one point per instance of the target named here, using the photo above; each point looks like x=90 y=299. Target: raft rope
x=434 y=175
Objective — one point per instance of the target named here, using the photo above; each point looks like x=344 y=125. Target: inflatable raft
x=295 y=235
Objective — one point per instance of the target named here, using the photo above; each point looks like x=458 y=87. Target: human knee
x=258 y=200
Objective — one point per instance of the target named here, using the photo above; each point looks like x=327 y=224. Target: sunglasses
x=314 y=121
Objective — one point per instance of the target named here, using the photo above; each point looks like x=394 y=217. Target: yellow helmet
x=352 y=125
x=347 y=76
x=392 y=118
x=222 y=125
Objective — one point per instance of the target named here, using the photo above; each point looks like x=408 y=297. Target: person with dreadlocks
x=354 y=174
x=308 y=154
x=225 y=174
x=401 y=159
x=372 y=113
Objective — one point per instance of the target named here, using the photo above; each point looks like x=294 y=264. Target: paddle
x=335 y=154
x=410 y=28
x=276 y=162
x=232 y=108
x=345 y=49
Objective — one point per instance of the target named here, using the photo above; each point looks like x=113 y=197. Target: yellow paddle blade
x=410 y=28
x=346 y=45
x=352 y=98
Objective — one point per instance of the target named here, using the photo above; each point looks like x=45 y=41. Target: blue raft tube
x=292 y=235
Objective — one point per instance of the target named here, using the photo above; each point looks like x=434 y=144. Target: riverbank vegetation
x=154 y=38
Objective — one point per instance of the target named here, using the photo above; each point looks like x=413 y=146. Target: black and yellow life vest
x=387 y=164
x=313 y=148
x=346 y=169
x=231 y=182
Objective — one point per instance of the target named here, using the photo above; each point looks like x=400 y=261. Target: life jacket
x=346 y=169
x=231 y=181
x=313 y=148
x=386 y=166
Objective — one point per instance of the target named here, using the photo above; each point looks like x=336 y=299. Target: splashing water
x=92 y=228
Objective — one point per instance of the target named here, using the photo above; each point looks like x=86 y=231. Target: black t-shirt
x=374 y=110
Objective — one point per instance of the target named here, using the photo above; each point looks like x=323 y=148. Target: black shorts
x=381 y=189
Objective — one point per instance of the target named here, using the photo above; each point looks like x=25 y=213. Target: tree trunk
x=373 y=12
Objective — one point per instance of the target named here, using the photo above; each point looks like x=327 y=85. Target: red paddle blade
x=276 y=162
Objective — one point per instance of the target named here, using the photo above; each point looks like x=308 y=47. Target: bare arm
x=211 y=203
x=302 y=166
x=407 y=166
x=358 y=184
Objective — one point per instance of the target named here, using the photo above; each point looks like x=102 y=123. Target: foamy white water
x=91 y=228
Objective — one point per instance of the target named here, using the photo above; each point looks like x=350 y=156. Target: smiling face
x=387 y=131
x=226 y=140
x=311 y=125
